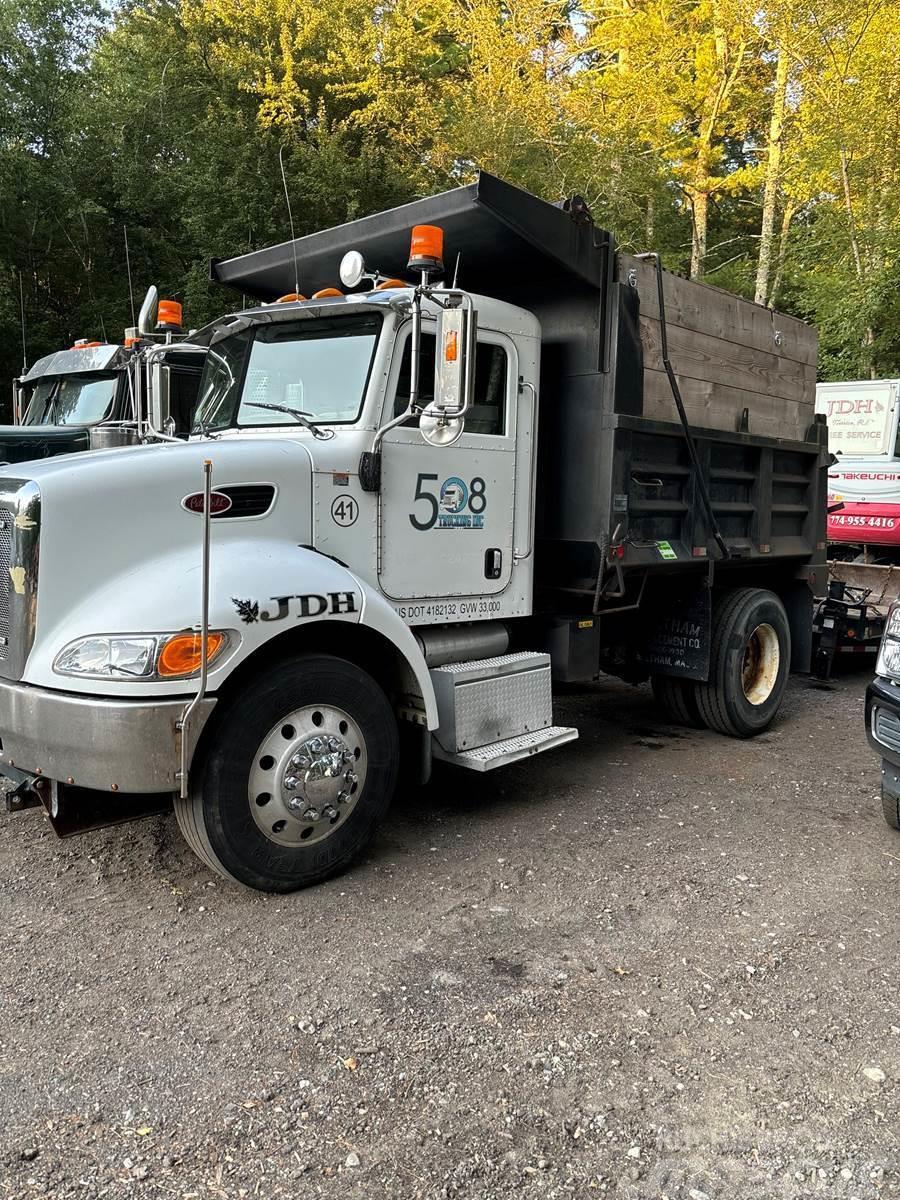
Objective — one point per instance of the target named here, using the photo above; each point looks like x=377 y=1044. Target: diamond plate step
x=510 y=750
x=491 y=700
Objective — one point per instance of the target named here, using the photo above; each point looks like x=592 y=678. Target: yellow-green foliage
x=754 y=143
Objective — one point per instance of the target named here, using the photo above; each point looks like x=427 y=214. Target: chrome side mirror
x=147 y=315
x=438 y=429
x=455 y=359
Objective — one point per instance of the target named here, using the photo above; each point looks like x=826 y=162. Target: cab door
x=446 y=513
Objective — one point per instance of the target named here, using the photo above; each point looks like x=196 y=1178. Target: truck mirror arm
x=370 y=460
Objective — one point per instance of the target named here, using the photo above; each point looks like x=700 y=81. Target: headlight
x=152 y=656
x=888 y=663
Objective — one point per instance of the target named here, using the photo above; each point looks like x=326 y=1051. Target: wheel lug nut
x=333 y=744
x=350 y=777
x=343 y=797
x=329 y=812
x=301 y=761
x=296 y=803
x=312 y=814
x=317 y=745
x=347 y=756
x=291 y=782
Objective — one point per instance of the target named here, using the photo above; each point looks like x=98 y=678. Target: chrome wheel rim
x=307 y=775
x=759 y=670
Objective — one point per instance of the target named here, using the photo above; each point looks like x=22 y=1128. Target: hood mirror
x=352 y=269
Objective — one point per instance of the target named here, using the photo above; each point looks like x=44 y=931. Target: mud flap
x=676 y=638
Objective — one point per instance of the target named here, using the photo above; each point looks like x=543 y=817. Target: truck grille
x=887 y=729
x=6 y=535
x=20 y=526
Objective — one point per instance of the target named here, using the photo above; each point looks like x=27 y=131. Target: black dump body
x=619 y=507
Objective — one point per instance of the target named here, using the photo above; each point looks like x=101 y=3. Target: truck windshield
x=318 y=367
x=72 y=400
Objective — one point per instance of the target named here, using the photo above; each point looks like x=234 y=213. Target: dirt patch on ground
x=656 y=963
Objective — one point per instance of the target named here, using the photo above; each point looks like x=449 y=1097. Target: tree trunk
x=786 y=217
x=869 y=334
x=773 y=174
x=699 y=223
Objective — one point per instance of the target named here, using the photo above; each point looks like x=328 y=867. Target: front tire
x=750 y=655
x=301 y=768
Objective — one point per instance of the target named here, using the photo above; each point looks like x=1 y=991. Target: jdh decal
x=311 y=605
x=454 y=505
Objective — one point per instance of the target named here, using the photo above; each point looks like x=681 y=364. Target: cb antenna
x=287 y=198
x=128 y=269
x=456 y=270
x=22 y=320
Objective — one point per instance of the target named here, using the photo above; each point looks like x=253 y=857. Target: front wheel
x=749 y=661
x=302 y=766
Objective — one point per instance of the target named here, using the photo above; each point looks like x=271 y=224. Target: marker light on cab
x=142 y=656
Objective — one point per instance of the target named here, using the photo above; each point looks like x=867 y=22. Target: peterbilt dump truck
x=414 y=501
x=96 y=395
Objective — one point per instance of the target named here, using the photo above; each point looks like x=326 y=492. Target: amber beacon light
x=426 y=250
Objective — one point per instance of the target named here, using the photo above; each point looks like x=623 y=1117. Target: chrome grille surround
x=886 y=728
x=20 y=526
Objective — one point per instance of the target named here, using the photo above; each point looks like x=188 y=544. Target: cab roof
x=77 y=361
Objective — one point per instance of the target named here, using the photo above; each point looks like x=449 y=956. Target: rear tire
x=749 y=662
x=301 y=768
x=678 y=698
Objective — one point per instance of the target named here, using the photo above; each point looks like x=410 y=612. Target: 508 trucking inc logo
x=454 y=504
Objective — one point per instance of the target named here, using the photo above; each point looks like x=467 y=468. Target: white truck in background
x=863 y=418
x=407 y=508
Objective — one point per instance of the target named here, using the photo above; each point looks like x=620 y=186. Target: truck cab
x=334 y=373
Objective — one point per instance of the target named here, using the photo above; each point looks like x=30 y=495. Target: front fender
x=259 y=587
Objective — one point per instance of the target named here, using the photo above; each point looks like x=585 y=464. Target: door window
x=487 y=416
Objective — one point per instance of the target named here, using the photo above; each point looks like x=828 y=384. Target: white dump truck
x=412 y=502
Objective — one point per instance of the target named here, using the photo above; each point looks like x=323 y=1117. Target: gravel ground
x=655 y=964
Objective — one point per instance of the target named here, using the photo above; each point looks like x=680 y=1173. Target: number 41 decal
x=454 y=505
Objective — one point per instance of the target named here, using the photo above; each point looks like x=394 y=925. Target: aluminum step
x=510 y=750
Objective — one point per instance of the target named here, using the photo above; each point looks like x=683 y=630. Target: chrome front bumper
x=108 y=745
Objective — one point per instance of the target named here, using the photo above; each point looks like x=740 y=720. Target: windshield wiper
x=303 y=417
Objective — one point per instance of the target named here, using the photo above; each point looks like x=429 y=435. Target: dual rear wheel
x=750 y=655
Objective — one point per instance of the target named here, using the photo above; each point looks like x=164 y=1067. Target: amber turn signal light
x=182 y=653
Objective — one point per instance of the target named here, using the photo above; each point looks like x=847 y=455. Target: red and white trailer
x=863 y=419
x=864 y=482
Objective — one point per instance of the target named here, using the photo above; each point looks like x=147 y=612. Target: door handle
x=493 y=563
